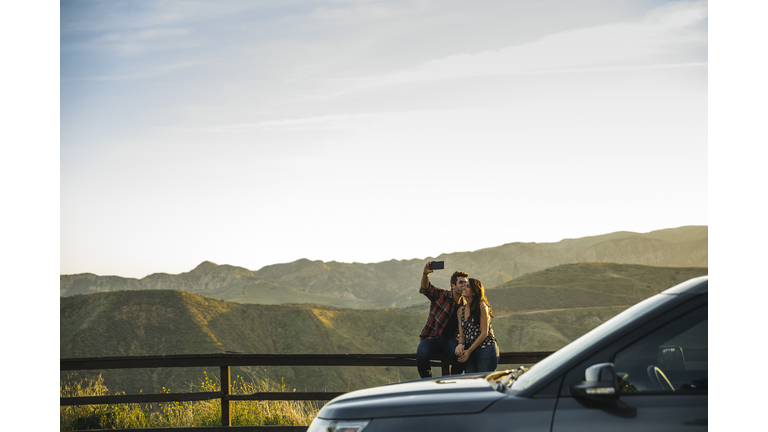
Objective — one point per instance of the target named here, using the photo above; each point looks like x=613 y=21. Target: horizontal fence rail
x=228 y=359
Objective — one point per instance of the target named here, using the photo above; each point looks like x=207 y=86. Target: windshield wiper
x=505 y=378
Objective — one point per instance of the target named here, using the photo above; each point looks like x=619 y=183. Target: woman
x=477 y=344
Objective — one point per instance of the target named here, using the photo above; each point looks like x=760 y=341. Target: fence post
x=445 y=366
x=226 y=390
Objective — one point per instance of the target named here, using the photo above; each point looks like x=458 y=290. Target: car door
x=662 y=381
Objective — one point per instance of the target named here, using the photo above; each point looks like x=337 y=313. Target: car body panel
x=633 y=413
x=509 y=413
x=450 y=395
x=695 y=286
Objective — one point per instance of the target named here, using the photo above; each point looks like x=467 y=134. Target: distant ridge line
x=391 y=283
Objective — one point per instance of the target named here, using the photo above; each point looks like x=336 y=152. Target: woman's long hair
x=478 y=295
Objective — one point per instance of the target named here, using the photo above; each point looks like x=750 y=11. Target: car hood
x=459 y=395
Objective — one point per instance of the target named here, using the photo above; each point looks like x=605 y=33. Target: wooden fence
x=226 y=360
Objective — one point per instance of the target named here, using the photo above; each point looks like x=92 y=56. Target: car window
x=672 y=358
x=540 y=370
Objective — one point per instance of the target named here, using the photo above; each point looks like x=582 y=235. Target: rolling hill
x=584 y=285
x=157 y=322
x=394 y=283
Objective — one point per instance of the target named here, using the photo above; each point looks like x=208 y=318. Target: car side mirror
x=601 y=383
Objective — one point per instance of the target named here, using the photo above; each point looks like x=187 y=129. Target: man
x=440 y=331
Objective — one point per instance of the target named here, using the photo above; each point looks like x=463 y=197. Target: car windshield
x=540 y=370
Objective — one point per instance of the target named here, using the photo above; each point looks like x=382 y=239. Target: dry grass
x=183 y=414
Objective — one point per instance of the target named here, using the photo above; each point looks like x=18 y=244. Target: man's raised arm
x=425 y=276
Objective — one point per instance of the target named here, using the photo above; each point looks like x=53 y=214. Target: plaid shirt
x=440 y=311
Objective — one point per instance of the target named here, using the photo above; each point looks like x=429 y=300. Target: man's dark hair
x=456 y=275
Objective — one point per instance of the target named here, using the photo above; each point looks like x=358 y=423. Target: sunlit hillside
x=586 y=285
x=394 y=283
x=156 y=322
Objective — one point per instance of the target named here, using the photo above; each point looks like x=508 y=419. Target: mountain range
x=394 y=283
x=539 y=311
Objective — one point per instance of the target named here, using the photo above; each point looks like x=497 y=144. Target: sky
x=254 y=133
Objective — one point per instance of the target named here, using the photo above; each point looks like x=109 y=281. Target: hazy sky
x=254 y=133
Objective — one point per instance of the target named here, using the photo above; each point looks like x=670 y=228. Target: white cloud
x=133 y=42
x=99 y=16
x=144 y=35
x=637 y=44
x=148 y=72
x=136 y=41
x=316 y=122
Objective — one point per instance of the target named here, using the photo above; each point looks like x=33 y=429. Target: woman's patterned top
x=471 y=330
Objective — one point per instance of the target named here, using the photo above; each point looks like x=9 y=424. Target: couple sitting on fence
x=464 y=311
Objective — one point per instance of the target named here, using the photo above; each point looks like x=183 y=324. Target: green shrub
x=183 y=414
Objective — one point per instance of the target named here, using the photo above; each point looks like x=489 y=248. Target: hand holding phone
x=437 y=265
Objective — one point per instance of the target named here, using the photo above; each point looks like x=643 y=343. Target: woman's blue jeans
x=483 y=359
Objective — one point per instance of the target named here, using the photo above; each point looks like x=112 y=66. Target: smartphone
x=437 y=265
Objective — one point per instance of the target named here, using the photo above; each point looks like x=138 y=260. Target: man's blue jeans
x=429 y=348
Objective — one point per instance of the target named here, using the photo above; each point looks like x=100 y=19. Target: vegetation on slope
x=583 y=285
x=182 y=414
x=161 y=322
x=391 y=283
